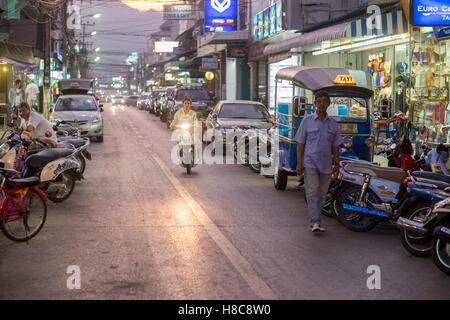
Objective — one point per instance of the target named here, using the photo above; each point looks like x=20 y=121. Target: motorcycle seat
x=10 y=173
x=40 y=159
x=431 y=176
x=24 y=183
x=77 y=142
x=391 y=174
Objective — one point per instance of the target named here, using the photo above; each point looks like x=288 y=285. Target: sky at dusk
x=121 y=30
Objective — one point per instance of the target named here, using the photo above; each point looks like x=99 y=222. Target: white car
x=79 y=110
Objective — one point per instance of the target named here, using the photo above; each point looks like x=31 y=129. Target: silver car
x=79 y=110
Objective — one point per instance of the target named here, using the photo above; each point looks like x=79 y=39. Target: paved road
x=139 y=228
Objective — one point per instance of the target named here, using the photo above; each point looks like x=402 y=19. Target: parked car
x=132 y=101
x=163 y=107
x=239 y=120
x=202 y=102
x=157 y=104
x=75 y=107
x=142 y=101
x=154 y=99
x=118 y=100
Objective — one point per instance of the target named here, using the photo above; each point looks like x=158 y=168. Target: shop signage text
x=177 y=12
x=210 y=63
x=442 y=33
x=430 y=12
x=220 y=15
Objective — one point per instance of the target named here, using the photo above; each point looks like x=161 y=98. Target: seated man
x=35 y=124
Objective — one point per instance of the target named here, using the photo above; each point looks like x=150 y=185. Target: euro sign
x=221 y=6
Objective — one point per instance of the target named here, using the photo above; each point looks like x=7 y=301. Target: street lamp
x=97 y=49
x=96 y=15
x=93 y=33
x=97 y=59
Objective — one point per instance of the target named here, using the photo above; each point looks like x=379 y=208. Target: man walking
x=16 y=96
x=318 y=141
x=32 y=94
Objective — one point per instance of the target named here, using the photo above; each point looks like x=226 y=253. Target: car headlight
x=123 y=101
x=348 y=142
x=97 y=120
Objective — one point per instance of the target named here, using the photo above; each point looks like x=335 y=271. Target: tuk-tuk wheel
x=280 y=178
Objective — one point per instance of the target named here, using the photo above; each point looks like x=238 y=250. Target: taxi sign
x=345 y=79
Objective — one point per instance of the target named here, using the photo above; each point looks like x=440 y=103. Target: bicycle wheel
x=20 y=226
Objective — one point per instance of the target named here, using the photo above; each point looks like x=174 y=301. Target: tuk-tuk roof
x=75 y=86
x=314 y=79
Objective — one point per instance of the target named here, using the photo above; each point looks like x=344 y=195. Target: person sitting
x=36 y=124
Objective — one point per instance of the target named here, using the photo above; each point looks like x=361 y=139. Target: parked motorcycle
x=57 y=168
x=418 y=226
x=425 y=233
x=374 y=194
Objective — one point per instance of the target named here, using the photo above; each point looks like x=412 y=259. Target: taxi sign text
x=345 y=79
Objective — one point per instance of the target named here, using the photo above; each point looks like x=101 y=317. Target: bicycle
x=23 y=208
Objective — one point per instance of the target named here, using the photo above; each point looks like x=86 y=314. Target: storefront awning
x=390 y=23
x=329 y=33
x=17 y=54
x=227 y=37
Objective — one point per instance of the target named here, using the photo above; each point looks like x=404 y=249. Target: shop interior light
x=356 y=45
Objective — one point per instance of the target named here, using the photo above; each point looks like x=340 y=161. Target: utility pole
x=46 y=86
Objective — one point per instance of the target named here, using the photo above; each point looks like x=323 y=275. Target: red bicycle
x=23 y=208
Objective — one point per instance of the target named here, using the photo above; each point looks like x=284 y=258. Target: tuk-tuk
x=351 y=94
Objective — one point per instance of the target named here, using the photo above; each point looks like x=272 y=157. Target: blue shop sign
x=430 y=12
x=220 y=9
x=442 y=33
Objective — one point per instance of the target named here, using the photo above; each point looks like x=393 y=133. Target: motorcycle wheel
x=69 y=180
x=416 y=243
x=82 y=162
x=355 y=221
x=441 y=254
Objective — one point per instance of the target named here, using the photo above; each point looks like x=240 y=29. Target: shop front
x=429 y=84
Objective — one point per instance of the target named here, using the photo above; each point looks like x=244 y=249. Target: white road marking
x=256 y=283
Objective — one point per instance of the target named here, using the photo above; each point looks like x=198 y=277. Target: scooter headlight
x=185 y=126
x=348 y=142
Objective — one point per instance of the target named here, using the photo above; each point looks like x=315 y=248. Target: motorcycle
x=374 y=194
x=57 y=168
x=428 y=233
x=186 y=146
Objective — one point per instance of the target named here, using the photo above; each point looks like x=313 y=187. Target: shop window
x=429 y=83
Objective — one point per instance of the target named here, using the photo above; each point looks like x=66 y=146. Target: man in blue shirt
x=318 y=141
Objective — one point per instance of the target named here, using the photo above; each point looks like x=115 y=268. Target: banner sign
x=177 y=12
x=430 y=12
x=442 y=33
x=210 y=63
x=165 y=46
x=220 y=15
x=268 y=22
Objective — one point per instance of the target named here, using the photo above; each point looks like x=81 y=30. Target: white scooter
x=186 y=147
x=57 y=168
